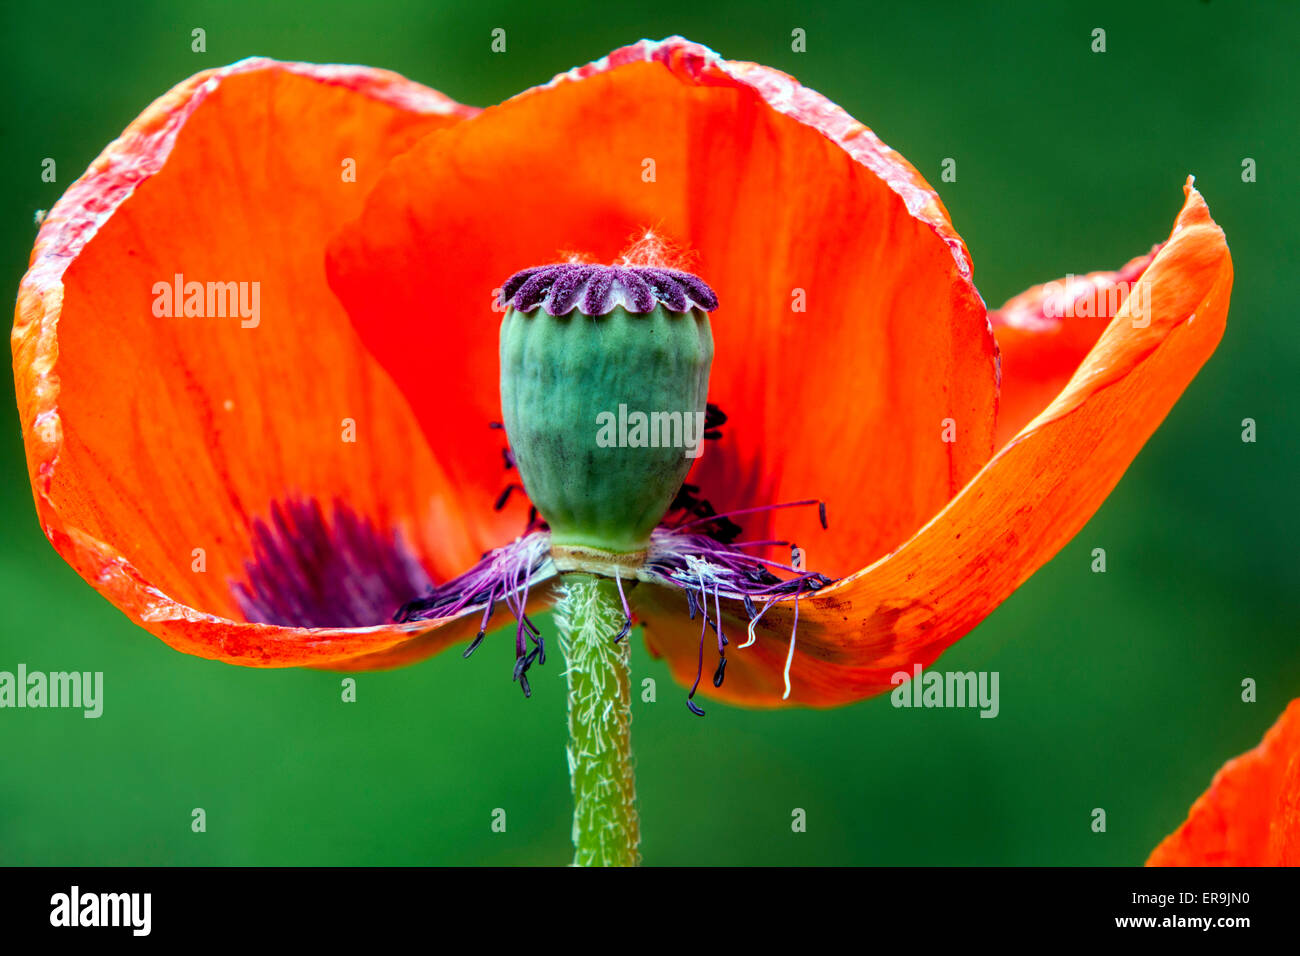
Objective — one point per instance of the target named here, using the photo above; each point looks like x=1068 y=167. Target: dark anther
x=714 y=419
x=406 y=612
x=522 y=663
x=691 y=604
x=535 y=523
x=508 y=459
x=525 y=661
x=728 y=531
x=695 y=708
x=473 y=645
x=749 y=608
x=821 y=513
x=505 y=496
x=720 y=674
x=627 y=626
x=687 y=500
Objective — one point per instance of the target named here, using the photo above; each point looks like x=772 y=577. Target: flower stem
x=589 y=615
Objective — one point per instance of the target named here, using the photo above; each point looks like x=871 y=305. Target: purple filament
x=505 y=574
x=627 y=613
x=702 y=567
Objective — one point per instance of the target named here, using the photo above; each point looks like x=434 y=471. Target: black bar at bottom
x=332 y=905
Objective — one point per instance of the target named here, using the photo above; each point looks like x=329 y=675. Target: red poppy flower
x=1250 y=816
x=198 y=469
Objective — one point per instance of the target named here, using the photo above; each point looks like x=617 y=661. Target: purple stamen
x=717 y=616
x=496 y=576
x=748 y=511
x=505 y=496
x=694 y=561
x=699 y=669
x=691 y=606
x=487 y=614
x=508 y=459
x=698 y=564
x=753 y=622
x=627 y=612
x=789 y=659
x=506 y=574
x=687 y=500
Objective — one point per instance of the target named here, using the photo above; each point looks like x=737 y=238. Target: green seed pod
x=604 y=384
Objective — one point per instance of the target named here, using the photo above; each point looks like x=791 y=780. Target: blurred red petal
x=1250 y=816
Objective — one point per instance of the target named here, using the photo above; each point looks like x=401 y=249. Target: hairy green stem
x=589 y=615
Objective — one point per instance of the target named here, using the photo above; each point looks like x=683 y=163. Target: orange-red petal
x=784 y=200
x=1250 y=816
x=156 y=445
x=1022 y=507
x=1044 y=334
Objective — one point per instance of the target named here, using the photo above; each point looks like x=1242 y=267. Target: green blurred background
x=1119 y=690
